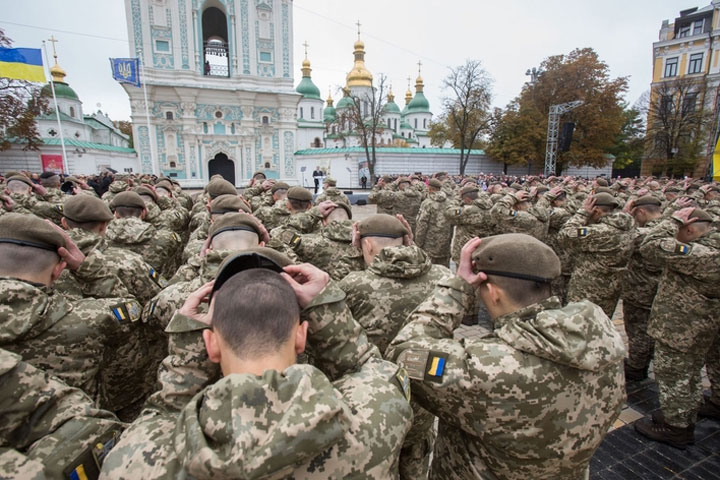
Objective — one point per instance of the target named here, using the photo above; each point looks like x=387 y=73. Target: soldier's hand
x=355 y=236
x=685 y=202
x=465 y=268
x=325 y=207
x=245 y=202
x=306 y=280
x=589 y=204
x=70 y=254
x=264 y=235
x=407 y=239
x=642 y=191
x=555 y=191
x=683 y=215
x=629 y=206
x=39 y=189
x=205 y=247
x=190 y=307
x=267 y=184
x=521 y=196
x=8 y=202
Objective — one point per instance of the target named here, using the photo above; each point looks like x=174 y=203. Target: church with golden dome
x=326 y=125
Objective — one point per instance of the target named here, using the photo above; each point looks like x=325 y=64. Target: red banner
x=52 y=163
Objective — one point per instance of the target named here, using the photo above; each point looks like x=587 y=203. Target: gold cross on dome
x=306 y=47
x=53 y=41
x=358 y=25
x=419 y=66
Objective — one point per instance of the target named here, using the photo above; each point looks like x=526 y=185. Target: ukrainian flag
x=22 y=64
x=716 y=161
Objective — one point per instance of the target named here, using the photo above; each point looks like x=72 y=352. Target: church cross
x=419 y=66
x=358 y=25
x=306 y=46
x=53 y=41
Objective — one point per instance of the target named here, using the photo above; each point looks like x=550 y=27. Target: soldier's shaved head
x=235 y=240
x=27 y=263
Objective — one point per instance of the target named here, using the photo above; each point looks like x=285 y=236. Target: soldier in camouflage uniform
x=600 y=240
x=471 y=218
x=275 y=215
x=516 y=214
x=640 y=282
x=26 y=196
x=298 y=421
x=93 y=344
x=330 y=192
x=47 y=429
x=397 y=279
x=558 y=214
x=382 y=195
x=129 y=230
x=407 y=201
x=536 y=397
x=86 y=219
x=684 y=321
x=433 y=230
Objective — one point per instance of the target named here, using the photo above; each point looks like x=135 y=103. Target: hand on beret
x=683 y=216
x=306 y=280
x=70 y=254
x=465 y=268
x=407 y=239
x=325 y=207
x=190 y=307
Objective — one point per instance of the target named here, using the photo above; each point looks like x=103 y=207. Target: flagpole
x=66 y=169
x=147 y=114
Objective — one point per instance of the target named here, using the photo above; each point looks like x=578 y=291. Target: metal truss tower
x=553 y=132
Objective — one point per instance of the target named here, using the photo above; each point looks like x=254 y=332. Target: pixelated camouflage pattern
x=470 y=221
x=158 y=247
x=32 y=204
x=330 y=249
x=273 y=216
x=533 y=221
x=433 y=230
x=532 y=400
x=332 y=194
x=679 y=379
x=383 y=198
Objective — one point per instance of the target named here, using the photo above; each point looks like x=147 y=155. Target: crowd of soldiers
x=150 y=332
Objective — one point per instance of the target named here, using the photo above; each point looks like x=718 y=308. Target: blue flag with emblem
x=126 y=70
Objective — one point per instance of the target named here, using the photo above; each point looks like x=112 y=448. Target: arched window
x=169 y=116
x=205 y=127
x=424 y=122
x=416 y=123
x=312 y=113
x=302 y=113
x=317 y=143
x=72 y=112
x=267 y=164
x=265 y=120
x=215 y=43
x=173 y=164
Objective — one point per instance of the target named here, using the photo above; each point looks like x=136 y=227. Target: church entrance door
x=223 y=166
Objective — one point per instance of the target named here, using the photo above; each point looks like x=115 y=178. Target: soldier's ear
x=301 y=337
x=212 y=345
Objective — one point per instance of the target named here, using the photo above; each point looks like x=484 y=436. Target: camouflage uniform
x=274 y=216
x=138 y=277
x=640 y=283
x=532 y=400
x=47 y=427
x=433 y=231
x=31 y=204
x=533 y=221
x=332 y=194
x=685 y=318
x=470 y=221
x=383 y=197
x=557 y=217
x=157 y=246
x=380 y=299
x=95 y=345
x=600 y=253
x=330 y=249
x=115 y=187
x=407 y=203
x=304 y=422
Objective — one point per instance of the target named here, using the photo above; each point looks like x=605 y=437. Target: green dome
x=392 y=107
x=329 y=114
x=405 y=125
x=62 y=90
x=308 y=89
x=419 y=104
x=344 y=102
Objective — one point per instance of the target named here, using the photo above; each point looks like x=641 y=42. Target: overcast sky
x=508 y=36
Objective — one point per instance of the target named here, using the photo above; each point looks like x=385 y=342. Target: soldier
x=330 y=192
x=47 y=429
x=93 y=344
x=299 y=421
x=600 y=241
x=690 y=250
x=532 y=400
x=51 y=182
x=274 y=215
x=515 y=213
x=640 y=282
x=301 y=216
x=381 y=195
x=433 y=231
x=86 y=219
x=23 y=193
x=559 y=213
x=471 y=218
x=129 y=230
x=398 y=278
x=407 y=201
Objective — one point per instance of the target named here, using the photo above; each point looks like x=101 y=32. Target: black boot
x=709 y=409
x=678 y=437
x=635 y=374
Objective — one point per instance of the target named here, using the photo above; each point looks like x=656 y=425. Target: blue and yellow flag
x=22 y=64
x=716 y=161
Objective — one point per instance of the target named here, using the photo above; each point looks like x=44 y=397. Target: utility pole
x=553 y=132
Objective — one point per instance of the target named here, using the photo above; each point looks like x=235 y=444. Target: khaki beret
x=507 y=256
x=469 y=189
x=220 y=186
x=259 y=173
x=435 y=183
x=701 y=215
x=300 y=194
x=601 y=182
x=165 y=183
x=73 y=179
x=86 y=208
x=672 y=189
x=144 y=190
x=381 y=225
x=604 y=190
x=20 y=178
x=12 y=173
x=404 y=180
x=127 y=199
x=604 y=200
x=29 y=231
x=387 y=178
x=227 y=204
x=516 y=186
x=330 y=181
x=280 y=186
x=646 y=200
x=234 y=222
x=255 y=257
x=441 y=174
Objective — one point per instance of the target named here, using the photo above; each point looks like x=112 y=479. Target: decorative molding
x=144 y=150
x=289 y=148
x=286 y=40
x=136 y=12
x=248 y=161
x=245 y=27
x=183 y=21
x=158 y=109
x=206 y=112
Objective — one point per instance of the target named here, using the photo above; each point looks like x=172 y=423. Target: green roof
x=308 y=89
x=63 y=117
x=62 y=89
x=392 y=107
x=424 y=151
x=329 y=114
x=419 y=104
x=71 y=142
x=344 y=103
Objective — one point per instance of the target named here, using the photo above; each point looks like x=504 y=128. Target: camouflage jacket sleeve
x=465 y=215
x=353 y=262
x=253 y=191
x=14 y=464
x=97 y=280
x=305 y=222
x=338 y=344
x=437 y=363
x=422 y=222
x=187 y=369
x=577 y=235
x=503 y=208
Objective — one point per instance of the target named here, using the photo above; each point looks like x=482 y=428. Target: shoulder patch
x=582 y=232
x=176 y=237
x=403 y=381
x=414 y=361
x=682 y=249
x=458 y=211
x=435 y=367
x=59 y=208
x=87 y=464
x=127 y=311
x=157 y=278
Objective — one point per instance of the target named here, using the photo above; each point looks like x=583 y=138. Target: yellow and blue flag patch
x=78 y=473
x=582 y=232
x=126 y=311
x=22 y=64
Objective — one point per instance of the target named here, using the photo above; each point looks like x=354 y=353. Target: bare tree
x=467 y=105
x=364 y=117
x=678 y=124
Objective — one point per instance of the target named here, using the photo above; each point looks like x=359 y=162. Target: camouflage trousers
x=418 y=445
x=712 y=364
x=640 y=344
x=678 y=376
x=605 y=296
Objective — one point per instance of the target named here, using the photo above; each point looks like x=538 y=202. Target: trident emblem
x=124 y=70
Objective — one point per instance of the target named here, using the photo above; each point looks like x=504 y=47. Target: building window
x=424 y=122
x=671 y=65
x=684 y=31
x=265 y=120
x=302 y=113
x=173 y=165
x=169 y=116
x=266 y=57
x=312 y=113
x=72 y=112
x=52 y=132
x=416 y=123
x=696 y=61
x=689 y=103
x=698 y=27
x=666 y=104
x=205 y=127
x=232 y=128
x=162 y=46
x=128 y=170
x=218 y=114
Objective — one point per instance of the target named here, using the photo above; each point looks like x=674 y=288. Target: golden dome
x=58 y=74
x=359 y=76
x=329 y=99
x=419 y=84
x=390 y=96
x=306 y=68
